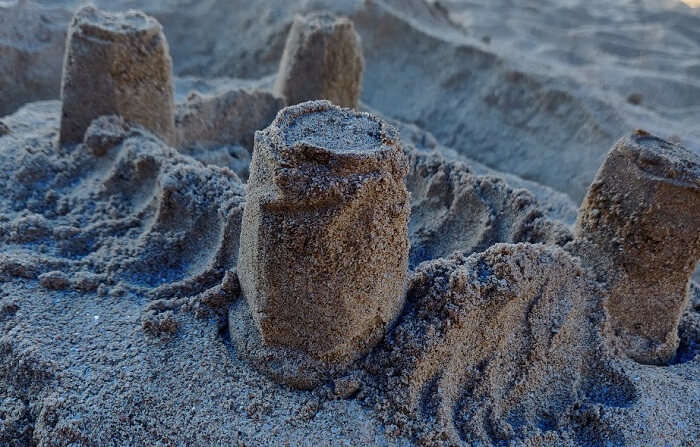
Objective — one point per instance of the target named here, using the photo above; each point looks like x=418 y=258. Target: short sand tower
x=116 y=64
x=641 y=226
x=324 y=246
x=322 y=60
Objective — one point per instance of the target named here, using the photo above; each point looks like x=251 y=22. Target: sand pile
x=125 y=311
x=103 y=287
x=133 y=241
x=121 y=207
x=505 y=344
x=217 y=127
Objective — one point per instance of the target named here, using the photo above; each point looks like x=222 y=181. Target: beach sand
x=118 y=265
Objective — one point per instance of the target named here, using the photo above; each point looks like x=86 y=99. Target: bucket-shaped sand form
x=641 y=223
x=116 y=64
x=322 y=59
x=324 y=247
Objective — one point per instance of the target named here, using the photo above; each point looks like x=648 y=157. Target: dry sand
x=119 y=254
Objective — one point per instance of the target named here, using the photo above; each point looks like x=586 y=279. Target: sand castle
x=322 y=60
x=447 y=304
x=642 y=217
x=116 y=64
x=324 y=247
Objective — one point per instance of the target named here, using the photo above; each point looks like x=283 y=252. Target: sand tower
x=641 y=226
x=116 y=64
x=322 y=60
x=324 y=246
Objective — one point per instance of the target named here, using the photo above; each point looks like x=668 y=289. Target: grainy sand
x=118 y=256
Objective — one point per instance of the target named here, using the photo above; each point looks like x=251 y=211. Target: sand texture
x=555 y=82
x=647 y=190
x=483 y=250
x=322 y=59
x=116 y=64
x=324 y=240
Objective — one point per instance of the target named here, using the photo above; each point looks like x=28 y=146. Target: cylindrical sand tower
x=116 y=64
x=322 y=60
x=642 y=216
x=324 y=246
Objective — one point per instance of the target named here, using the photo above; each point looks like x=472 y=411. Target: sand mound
x=215 y=122
x=500 y=345
x=209 y=121
x=89 y=321
x=453 y=210
x=123 y=237
x=123 y=209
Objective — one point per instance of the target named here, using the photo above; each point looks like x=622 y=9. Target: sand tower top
x=662 y=159
x=326 y=127
x=334 y=129
x=90 y=21
x=323 y=20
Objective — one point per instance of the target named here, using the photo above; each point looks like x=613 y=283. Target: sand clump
x=218 y=127
x=641 y=219
x=116 y=64
x=133 y=195
x=322 y=60
x=104 y=133
x=324 y=246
